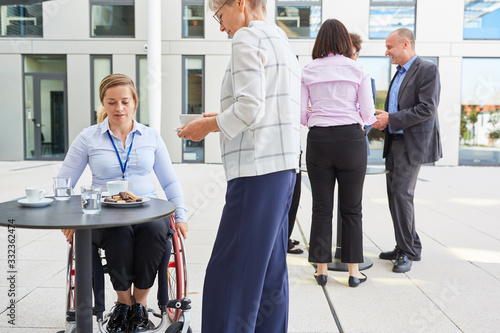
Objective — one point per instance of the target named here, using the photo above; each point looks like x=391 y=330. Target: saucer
x=41 y=203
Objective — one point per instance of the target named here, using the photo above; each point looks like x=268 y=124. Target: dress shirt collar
x=105 y=126
x=406 y=66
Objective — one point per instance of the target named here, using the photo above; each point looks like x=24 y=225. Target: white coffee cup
x=35 y=194
x=116 y=186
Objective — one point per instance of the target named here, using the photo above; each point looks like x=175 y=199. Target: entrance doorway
x=45 y=115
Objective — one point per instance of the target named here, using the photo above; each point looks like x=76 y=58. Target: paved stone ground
x=455 y=288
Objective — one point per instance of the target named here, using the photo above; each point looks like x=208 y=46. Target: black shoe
x=393 y=255
x=354 y=281
x=321 y=279
x=138 y=321
x=118 y=321
x=294 y=242
x=402 y=263
x=296 y=251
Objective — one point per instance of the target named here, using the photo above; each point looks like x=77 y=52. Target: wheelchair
x=172 y=295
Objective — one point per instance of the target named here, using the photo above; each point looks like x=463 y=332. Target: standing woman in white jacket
x=246 y=286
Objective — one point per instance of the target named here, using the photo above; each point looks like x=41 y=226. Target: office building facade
x=53 y=55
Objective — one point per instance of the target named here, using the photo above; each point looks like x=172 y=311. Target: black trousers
x=336 y=153
x=401 y=183
x=292 y=213
x=133 y=253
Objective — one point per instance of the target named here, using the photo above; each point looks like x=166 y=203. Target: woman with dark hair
x=334 y=85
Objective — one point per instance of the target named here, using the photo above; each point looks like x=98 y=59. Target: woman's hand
x=198 y=129
x=68 y=233
x=182 y=228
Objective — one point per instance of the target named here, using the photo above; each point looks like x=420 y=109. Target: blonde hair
x=110 y=81
x=214 y=5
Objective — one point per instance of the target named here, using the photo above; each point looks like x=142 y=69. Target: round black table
x=68 y=215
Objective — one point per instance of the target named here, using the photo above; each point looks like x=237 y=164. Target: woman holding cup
x=120 y=148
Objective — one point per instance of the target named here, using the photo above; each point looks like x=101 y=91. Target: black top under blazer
x=418 y=102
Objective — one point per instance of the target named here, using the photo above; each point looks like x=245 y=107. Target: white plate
x=41 y=203
x=126 y=204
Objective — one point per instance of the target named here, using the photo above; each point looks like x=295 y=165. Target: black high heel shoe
x=321 y=279
x=354 y=281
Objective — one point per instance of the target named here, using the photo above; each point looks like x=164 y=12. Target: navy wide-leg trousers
x=246 y=283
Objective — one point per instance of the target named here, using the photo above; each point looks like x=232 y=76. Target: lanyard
x=123 y=167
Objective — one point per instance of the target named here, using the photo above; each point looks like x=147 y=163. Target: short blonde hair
x=113 y=80
x=214 y=5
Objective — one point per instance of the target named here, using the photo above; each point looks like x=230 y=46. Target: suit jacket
x=418 y=102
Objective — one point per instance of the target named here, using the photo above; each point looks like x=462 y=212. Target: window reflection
x=112 y=20
x=482 y=19
x=193 y=18
x=141 y=85
x=299 y=19
x=379 y=69
x=193 y=81
x=480 y=114
x=387 y=16
x=100 y=68
x=21 y=21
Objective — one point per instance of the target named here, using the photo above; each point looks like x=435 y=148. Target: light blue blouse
x=93 y=147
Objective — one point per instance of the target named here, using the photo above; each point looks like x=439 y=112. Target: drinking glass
x=91 y=199
x=62 y=188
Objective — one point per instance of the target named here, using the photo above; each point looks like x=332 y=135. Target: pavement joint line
x=435 y=304
x=332 y=309
x=325 y=291
x=32 y=167
x=482 y=269
x=466 y=224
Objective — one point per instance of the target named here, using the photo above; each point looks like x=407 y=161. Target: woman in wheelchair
x=119 y=147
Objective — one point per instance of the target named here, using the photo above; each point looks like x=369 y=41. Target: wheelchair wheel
x=70 y=287
x=177 y=328
x=177 y=275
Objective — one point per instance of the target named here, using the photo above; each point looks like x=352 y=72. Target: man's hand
x=382 y=120
x=198 y=129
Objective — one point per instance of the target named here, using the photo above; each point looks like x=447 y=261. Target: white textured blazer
x=260 y=103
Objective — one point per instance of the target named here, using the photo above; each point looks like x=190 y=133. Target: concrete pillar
x=154 y=63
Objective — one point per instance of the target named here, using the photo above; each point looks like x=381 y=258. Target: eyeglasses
x=218 y=10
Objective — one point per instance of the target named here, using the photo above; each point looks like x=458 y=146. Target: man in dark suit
x=411 y=139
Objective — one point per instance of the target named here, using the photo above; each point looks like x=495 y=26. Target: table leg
x=336 y=264
x=83 y=283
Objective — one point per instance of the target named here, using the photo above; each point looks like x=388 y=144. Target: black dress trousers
x=336 y=154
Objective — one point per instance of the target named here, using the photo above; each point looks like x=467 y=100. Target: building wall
x=439 y=33
x=11 y=103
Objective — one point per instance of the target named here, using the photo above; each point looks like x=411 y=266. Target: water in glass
x=91 y=200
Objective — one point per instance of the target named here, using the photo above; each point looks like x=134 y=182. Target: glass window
x=434 y=60
x=193 y=18
x=142 y=114
x=480 y=116
x=21 y=21
x=100 y=67
x=379 y=69
x=387 y=16
x=299 y=18
x=112 y=18
x=193 y=103
x=482 y=19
